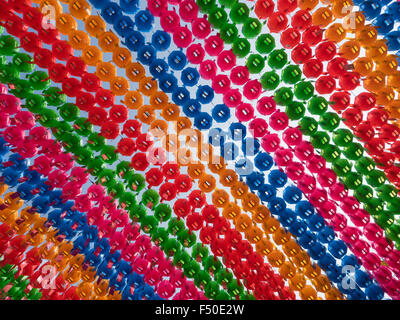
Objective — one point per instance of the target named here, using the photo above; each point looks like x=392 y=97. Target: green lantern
x=308 y=126
x=212 y=264
x=304 y=90
x=116 y=189
x=170 y=246
x=127 y=199
x=199 y=252
x=54 y=97
x=270 y=81
x=387 y=192
x=331 y=153
x=191 y=269
x=234 y=288
x=206 y=5
x=8 y=74
x=211 y=290
x=218 y=17
x=96 y=141
x=365 y=165
x=175 y=226
x=229 y=33
x=224 y=277
x=295 y=110
x=385 y=219
x=186 y=238
x=201 y=279
x=109 y=154
x=8 y=45
x=341 y=167
x=247 y=296
x=223 y=295
x=265 y=43
x=162 y=212
x=241 y=47
x=393 y=233
x=148 y=223
x=239 y=13
x=150 y=198
x=69 y=112
x=317 y=105
x=291 y=74
x=363 y=193
x=95 y=166
x=329 y=121
x=23 y=62
x=374 y=206
x=375 y=178
x=35 y=103
x=83 y=155
x=39 y=80
x=352 y=180
x=48 y=118
x=277 y=59
x=21 y=89
x=342 y=137
x=393 y=205
x=181 y=258
x=137 y=212
x=228 y=3
x=320 y=139
x=34 y=294
x=354 y=151
x=251 y=28
x=105 y=176
x=137 y=182
x=283 y=96
x=123 y=168
x=159 y=236
x=83 y=126
x=255 y=63
x=70 y=141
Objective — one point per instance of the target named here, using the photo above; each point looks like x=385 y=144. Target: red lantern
x=325 y=85
x=182 y=208
x=97 y=116
x=277 y=22
x=126 y=146
x=365 y=101
x=210 y=213
x=301 y=53
x=349 y=81
x=301 y=20
x=144 y=142
x=313 y=68
x=340 y=100
x=287 y=6
x=197 y=199
x=208 y=69
x=154 y=177
x=76 y=66
x=312 y=35
x=264 y=8
x=132 y=128
x=110 y=130
x=352 y=117
x=325 y=51
x=169 y=21
x=290 y=38
x=337 y=67
x=183 y=183
x=139 y=161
